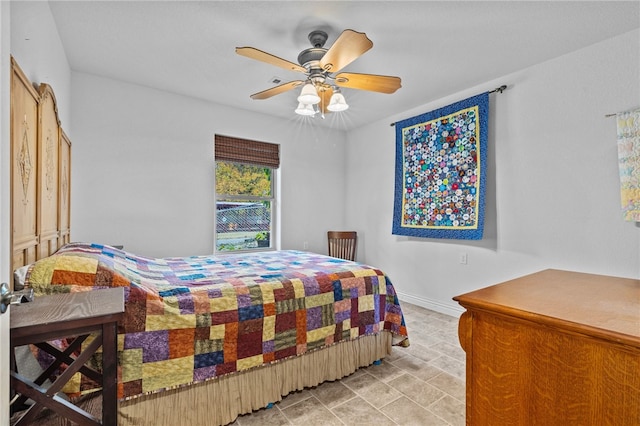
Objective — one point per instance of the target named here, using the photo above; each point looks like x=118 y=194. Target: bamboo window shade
x=246 y=151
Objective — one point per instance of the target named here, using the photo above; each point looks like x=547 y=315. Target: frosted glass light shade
x=305 y=109
x=309 y=95
x=337 y=103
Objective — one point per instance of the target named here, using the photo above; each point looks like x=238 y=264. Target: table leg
x=109 y=374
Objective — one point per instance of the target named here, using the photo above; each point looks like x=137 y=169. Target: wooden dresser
x=553 y=348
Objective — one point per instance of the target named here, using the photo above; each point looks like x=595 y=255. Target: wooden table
x=553 y=348
x=69 y=315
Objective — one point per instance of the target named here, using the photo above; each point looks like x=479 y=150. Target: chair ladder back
x=342 y=244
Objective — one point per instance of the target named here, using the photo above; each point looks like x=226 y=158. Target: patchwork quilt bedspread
x=196 y=318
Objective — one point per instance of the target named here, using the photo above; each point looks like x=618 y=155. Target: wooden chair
x=342 y=244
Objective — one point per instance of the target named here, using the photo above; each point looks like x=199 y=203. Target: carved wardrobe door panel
x=24 y=156
x=64 y=216
x=48 y=174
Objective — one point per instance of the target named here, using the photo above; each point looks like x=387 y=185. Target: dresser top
x=597 y=305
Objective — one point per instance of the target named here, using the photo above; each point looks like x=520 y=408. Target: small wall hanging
x=629 y=163
x=440 y=171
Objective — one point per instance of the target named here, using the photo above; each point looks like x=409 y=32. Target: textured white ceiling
x=436 y=47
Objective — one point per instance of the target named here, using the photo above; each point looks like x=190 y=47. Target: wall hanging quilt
x=629 y=163
x=440 y=171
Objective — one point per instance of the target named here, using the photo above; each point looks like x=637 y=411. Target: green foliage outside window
x=243 y=179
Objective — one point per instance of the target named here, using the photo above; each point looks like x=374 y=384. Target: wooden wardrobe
x=40 y=172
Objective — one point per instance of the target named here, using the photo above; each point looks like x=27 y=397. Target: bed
x=242 y=329
x=204 y=338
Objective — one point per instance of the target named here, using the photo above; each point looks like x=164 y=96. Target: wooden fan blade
x=371 y=82
x=325 y=94
x=265 y=94
x=259 y=55
x=348 y=47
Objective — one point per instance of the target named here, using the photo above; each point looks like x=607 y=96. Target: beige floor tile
x=454 y=351
x=378 y=393
x=310 y=412
x=359 y=382
x=416 y=367
x=443 y=317
x=406 y=412
x=425 y=337
x=333 y=393
x=397 y=353
x=294 y=398
x=450 y=409
x=452 y=366
x=385 y=371
x=450 y=384
x=417 y=390
x=446 y=335
x=413 y=320
x=436 y=321
x=423 y=352
x=264 y=417
x=359 y=412
x=424 y=324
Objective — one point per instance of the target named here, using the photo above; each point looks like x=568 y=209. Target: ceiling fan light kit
x=305 y=109
x=321 y=86
x=309 y=95
x=337 y=103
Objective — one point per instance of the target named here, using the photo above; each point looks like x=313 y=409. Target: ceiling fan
x=322 y=85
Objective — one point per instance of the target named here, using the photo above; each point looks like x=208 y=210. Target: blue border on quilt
x=444 y=198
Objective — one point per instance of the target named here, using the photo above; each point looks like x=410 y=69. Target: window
x=245 y=194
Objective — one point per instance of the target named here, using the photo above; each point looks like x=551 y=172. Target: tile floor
x=419 y=385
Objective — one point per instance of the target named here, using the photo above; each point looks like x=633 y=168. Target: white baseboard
x=452 y=308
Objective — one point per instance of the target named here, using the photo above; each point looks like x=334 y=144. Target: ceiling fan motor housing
x=310 y=58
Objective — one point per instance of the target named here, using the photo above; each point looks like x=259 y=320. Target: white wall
x=143 y=169
x=553 y=198
x=36 y=46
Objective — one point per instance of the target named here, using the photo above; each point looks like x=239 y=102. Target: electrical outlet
x=305 y=245
x=463 y=258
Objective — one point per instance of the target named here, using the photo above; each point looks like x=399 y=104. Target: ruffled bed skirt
x=221 y=401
